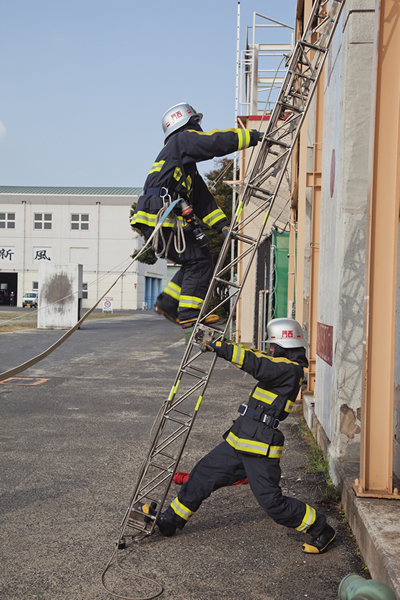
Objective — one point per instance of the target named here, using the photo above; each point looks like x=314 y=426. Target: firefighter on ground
x=174 y=175
x=253 y=445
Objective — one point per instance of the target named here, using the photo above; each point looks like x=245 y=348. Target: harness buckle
x=166 y=196
x=243 y=408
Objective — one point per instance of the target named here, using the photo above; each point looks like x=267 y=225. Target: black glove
x=261 y=135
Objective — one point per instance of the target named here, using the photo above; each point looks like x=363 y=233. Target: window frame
x=81 y=221
x=42 y=221
x=9 y=220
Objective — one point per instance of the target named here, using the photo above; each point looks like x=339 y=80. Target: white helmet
x=177 y=116
x=286 y=333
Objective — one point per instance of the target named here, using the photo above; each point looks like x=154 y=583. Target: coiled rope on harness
x=176 y=233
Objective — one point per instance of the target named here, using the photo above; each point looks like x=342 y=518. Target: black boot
x=167 y=311
x=321 y=543
x=166 y=527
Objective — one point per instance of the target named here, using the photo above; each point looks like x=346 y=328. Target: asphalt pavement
x=74 y=431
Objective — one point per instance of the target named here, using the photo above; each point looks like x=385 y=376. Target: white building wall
x=104 y=249
x=342 y=237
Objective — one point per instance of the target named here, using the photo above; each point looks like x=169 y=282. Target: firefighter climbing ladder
x=178 y=412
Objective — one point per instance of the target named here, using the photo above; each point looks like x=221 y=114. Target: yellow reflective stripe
x=177 y=174
x=150 y=220
x=247 y=445
x=243 y=138
x=157 y=166
x=275 y=451
x=212 y=131
x=214 y=217
x=181 y=510
x=143 y=217
x=264 y=395
x=239 y=209
x=190 y=302
x=173 y=290
x=198 y=403
x=243 y=135
x=174 y=390
x=289 y=406
x=238 y=356
x=308 y=519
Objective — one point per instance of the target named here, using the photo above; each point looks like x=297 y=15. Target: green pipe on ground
x=354 y=587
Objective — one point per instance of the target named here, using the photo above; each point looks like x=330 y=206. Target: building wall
x=396 y=441
x=104 y=249
x=343 y=208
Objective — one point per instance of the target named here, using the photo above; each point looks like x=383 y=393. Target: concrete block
x=376 y=526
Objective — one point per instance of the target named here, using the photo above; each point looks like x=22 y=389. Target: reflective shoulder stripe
x=157 y=166
x=181 y=510
x=214 y=217
x=280 y=360
x=243 y=135
x=289 y=406
x=264 y=395
x=238 y=356
x=308 y=519
x=209 y=132
x=243 y=138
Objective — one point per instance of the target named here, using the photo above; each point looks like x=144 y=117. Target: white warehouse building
x=87 y=226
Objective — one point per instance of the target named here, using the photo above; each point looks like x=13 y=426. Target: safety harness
x=258 y=414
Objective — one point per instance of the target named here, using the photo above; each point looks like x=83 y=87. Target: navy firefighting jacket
x=278 y=384
x=193 y=146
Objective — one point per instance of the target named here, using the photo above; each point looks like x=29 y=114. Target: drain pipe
x=354 y=587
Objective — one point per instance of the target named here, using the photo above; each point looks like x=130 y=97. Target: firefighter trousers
x=184 y=295
x=222 y=467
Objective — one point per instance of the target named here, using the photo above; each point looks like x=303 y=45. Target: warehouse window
x=7 y=220
x=79 y=221
x=42 y=221
x=84 y=291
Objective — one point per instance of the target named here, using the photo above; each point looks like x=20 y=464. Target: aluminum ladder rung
x=166 y=455
x=148 y=497
x=230 y=283
x=176 y=421
x=274 y=142
x=313 y=46
x=156 y=466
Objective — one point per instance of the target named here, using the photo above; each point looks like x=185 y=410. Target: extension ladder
x=176 y=417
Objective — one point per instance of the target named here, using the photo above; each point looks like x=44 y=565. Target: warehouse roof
x=71 y=191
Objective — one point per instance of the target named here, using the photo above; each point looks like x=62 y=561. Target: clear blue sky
x=84 y=83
